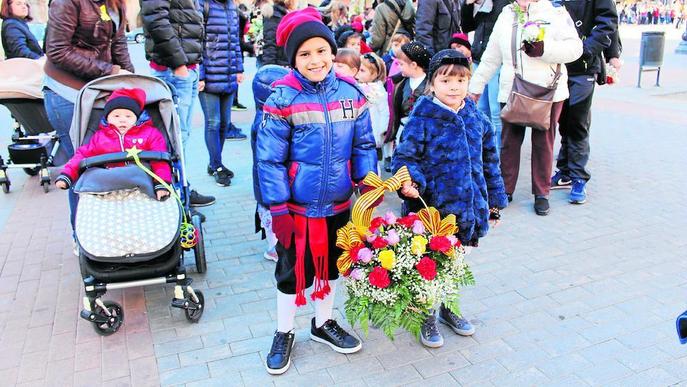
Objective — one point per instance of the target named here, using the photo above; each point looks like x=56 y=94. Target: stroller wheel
x=193 y=314
x=46 y=186
x=5 y=186
x=32 y=171
x=115 y=319
x=199 y=248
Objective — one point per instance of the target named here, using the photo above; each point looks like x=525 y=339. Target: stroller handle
x=120 y=157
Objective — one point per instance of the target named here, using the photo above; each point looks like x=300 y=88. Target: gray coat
x=385 y=20
x=437 y=20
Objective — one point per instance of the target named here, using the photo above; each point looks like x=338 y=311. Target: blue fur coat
x=454 y=160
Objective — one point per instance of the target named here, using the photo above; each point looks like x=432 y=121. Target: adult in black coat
x=436 y=21
x=475 y=17
x=272 y=13
x=596 y=22
x=17 y=39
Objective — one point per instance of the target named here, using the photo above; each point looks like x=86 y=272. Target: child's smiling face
x=122 y=119
x=314 y=59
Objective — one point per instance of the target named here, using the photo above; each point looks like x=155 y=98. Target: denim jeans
x=60 y=113
x=489 y=104
x=187 y=91
x=217 y=111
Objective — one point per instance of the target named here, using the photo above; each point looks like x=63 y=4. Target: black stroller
x=32 y=148
x=125 y=238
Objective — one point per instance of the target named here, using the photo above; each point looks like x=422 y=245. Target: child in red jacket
x=122 y=128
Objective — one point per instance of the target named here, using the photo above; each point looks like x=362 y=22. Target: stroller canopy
x=91 y=101
x=21 y=78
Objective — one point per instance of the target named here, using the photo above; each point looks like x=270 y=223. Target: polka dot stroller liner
x=126 y=226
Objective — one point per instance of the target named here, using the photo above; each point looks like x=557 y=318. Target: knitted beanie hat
x=297 y=27
x=129 y=99
x=417 y=53
x=447 y=57
x=461 y=39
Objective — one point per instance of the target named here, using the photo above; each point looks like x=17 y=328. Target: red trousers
x=542 y=153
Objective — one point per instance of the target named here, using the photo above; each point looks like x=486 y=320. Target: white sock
x=286 y=311
x=323 y=308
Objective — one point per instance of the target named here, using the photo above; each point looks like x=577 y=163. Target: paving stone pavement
x=585 y=296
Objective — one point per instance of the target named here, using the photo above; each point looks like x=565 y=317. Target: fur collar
x=426 y=108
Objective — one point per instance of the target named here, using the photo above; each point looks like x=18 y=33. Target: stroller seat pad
x=125 y=226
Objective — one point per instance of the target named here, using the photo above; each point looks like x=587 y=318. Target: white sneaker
x=271 y=255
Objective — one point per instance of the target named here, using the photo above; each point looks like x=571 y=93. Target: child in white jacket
x=536 y=63
x=371 y=76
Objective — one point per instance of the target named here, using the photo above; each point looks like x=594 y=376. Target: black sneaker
x=279 y=358
x=238 y=107
x=334 y=336
x=195 y=212
x=212 y=171
x=509 y=197
x=387 y=164
x=560 y=181
x=198 y=200
x=541 y=205
x=222 y=177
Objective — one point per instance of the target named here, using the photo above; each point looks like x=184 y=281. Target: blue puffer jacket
x=315 y=143
x=454 y=160
x=222 y=58
x=18 y=41
x=262 y=89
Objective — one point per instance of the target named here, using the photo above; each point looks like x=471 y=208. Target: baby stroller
x=125 y=238
x=31 y=148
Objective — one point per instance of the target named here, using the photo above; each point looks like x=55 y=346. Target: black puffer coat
x=174 y=32
x=271 y=16
x=482 y=23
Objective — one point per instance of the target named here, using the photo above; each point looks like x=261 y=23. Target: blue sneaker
x=560 y=181
x=459 y=324
x=578 y=193
x=429 y=333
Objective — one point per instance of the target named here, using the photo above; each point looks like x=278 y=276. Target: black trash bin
x=651 y=54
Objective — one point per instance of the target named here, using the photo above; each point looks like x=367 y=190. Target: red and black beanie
x=297 y=27
x=129 y=99
x=460 y=38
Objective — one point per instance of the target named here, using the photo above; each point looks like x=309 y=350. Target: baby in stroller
x=124 y=125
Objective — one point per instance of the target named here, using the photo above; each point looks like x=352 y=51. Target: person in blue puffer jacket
x=262 y=89
x=220 y=73
x=314 y=145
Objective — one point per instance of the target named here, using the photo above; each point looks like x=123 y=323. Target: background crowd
x=652 y=12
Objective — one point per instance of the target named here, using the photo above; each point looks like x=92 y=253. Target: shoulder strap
x=514 y=44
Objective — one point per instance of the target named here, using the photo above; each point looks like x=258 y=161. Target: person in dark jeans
x=596 y=22
x=174 y=45
x=220 y=73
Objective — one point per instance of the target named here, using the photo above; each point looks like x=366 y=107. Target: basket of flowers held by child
x=398 y=268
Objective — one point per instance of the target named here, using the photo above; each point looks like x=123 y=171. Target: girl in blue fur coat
x=451 y=153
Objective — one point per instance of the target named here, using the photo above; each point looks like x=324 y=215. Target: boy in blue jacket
x=315 y=143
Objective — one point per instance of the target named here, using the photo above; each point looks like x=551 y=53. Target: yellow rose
x=387 y=258
x=418 y=245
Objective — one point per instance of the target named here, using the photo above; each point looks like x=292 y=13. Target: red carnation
x=407 y=221
x=440 y=243
x=353 y=253
x=379 y=277
x=377 y=223
x=427 y=268
x=380 y=243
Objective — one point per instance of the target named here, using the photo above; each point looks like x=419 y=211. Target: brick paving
x=585 y=296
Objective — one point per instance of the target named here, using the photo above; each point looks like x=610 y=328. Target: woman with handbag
x=531 y=42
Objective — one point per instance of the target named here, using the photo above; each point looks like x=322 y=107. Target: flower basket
x=397 y=269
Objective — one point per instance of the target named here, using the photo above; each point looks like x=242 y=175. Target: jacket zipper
x=326 y=157
x=121 y=144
